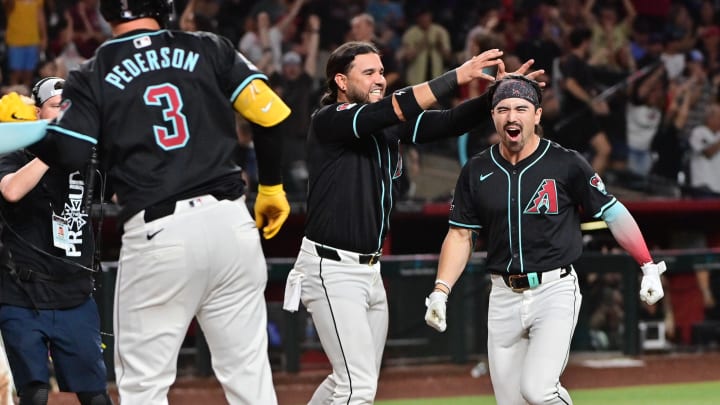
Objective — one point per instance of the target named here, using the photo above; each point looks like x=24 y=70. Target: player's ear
x=341 y=81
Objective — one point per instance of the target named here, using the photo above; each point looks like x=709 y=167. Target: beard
x=355 y=96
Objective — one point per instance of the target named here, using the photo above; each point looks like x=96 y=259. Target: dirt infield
x=424 y=381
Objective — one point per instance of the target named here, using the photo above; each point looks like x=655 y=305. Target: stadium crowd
x=632 y=84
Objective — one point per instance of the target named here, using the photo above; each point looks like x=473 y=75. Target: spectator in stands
x=88 y=27
x=579 y=128
x=59 y=26
x=644 y=117
x=193 y=19
x=362 y=28
x=673 y=54
x=670 y=143
x=390 y=22
x=298 y=88
x=705 y=155
x=282 y=34
x=610 y=47
x=709 y=45
x=488 y=21
x=26 y=38
x=426 y=49
x=255 y=42
x=704 y=91
x=544 y=47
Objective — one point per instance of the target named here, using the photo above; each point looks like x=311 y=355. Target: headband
x=514 y=88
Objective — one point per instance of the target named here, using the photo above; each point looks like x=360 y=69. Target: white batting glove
x=651 y=287
x=435 y=314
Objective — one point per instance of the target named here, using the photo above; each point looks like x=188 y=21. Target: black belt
x=332 y=254
x=164 y=208
x=520 y=282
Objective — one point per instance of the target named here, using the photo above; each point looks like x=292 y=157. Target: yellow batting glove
x=14 y=109
x=271 y=207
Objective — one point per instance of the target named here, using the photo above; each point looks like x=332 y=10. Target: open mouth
x=513 y=133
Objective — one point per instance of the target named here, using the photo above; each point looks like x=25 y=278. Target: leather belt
x=526 y=281
x=333 y=254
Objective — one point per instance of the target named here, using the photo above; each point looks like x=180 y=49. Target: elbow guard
x=259 y=104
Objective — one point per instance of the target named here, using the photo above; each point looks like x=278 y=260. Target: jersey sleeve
x=462 y=210
x=246 y=86
x=345 y=122
x=12 y=162
x=75 y=131
x=588 y=188
x=433 y=125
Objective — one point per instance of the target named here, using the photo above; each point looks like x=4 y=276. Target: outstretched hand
x=522 y=70
x=473 y=68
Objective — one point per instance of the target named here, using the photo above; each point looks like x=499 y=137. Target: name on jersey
x=148 y=61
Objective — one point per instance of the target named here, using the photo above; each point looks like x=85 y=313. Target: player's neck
x=139 y=24
x=514 y=157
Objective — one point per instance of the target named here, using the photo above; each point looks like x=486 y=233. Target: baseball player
x=353 y=161
x=46 y=282
x=159 y=106
x=524 y=193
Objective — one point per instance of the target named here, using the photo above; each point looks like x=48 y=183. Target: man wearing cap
x=524 y=195
x=46 y=301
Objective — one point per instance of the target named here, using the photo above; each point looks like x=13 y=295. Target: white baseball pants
x=529 y=336
x=349 y=308
x=205 y=260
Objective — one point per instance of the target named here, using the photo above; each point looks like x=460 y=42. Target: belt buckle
x=374 y=259
x=511 y=281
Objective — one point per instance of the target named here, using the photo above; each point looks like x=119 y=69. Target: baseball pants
x=204 y=260
x=529 y=336
x=349 y=308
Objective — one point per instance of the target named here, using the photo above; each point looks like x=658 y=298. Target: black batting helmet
x=128 y=10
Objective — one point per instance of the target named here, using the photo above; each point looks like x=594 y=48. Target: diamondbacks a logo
x=597 y=182
x=545 y=200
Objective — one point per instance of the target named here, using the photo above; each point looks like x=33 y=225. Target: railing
x=408 y=278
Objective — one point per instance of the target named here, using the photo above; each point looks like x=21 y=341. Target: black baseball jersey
x=59 y=194
x=530 y=212
x=160 y=105
x=353 y=159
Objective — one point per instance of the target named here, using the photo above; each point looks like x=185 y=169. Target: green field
x=707 y=393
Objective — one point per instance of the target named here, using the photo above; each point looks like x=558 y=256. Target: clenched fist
x=435 y=314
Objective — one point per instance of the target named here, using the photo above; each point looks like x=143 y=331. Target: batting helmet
x=128 y=10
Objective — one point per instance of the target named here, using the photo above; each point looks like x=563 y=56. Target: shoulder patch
x=345 y=106
x=597 y=182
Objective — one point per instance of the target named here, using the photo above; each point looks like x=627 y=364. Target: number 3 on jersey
x=174 y=134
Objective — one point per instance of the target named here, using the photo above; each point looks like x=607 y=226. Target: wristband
x=407 y=102
x=445 y=284
x=444 y=85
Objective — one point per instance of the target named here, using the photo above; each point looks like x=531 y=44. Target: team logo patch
x=597 y=182
x=345 y=106
x=64 y=106
x=545 y=199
